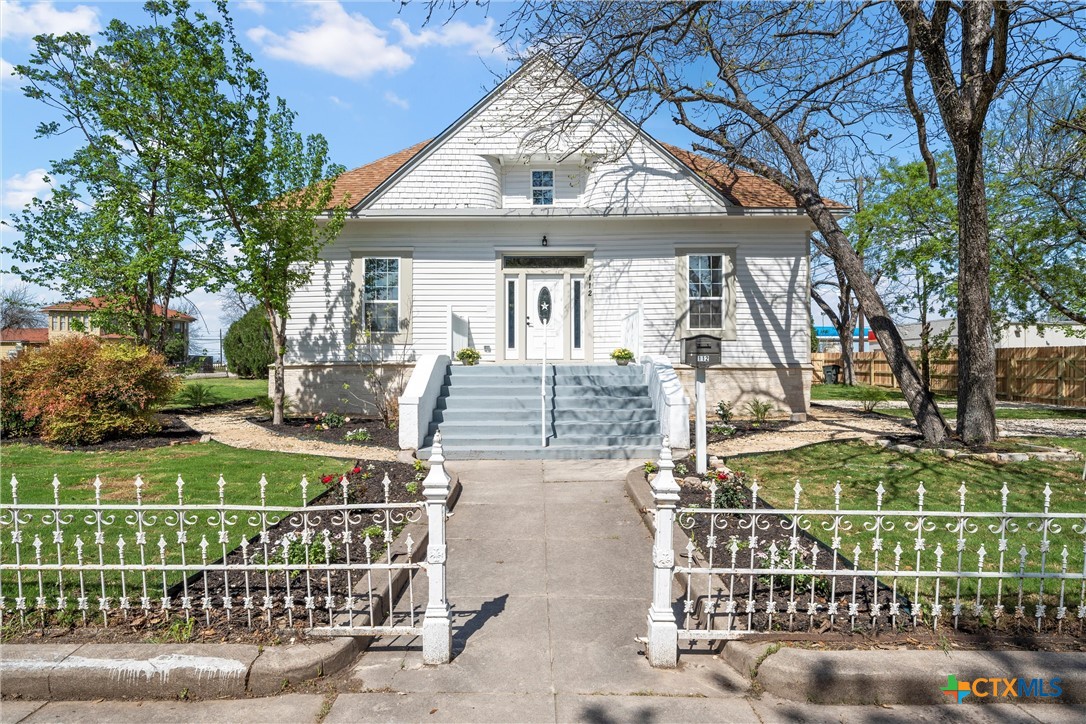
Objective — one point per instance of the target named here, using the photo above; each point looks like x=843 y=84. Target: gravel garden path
x=1042 y=426
x=823 y=424
x=230 y=427
x=840 y=421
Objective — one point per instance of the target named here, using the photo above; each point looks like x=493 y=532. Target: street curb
x=914 y=677
x=200 y=671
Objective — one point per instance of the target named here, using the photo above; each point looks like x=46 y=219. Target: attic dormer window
x=542 y=188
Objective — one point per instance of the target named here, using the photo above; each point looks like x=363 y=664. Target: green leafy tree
x=127 y=217
x=911 y=234
x=1038 y=207
x=248 y=345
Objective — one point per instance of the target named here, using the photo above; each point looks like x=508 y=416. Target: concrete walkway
x=549 y=579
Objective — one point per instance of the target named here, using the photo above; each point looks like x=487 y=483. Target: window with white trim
x=705 y=291
x=381 y=295
x=542 y=188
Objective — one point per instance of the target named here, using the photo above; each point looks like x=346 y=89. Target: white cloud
x=479 y=39
x=7 y=80
x=339 y=42
x=21 y=189
x=25 y=20
x=253 y=6
x=396 y=100
x=339 y=101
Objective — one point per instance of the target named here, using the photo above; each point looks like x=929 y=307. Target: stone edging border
x=879 y=676
x=201 y=671
x=1046 y=454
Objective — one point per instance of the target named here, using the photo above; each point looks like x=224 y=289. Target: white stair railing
x=632 y=328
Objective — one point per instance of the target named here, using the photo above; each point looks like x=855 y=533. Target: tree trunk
x=976 y=348
x=848 y=367
x=279 y=342
x=925 y=352
x=928 y=417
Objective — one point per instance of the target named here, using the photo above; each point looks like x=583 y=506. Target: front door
x=551 y=335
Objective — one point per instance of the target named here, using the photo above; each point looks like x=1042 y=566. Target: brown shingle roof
x=33 y=335
x=359 y=182
x=95 y=303
x=739 y=187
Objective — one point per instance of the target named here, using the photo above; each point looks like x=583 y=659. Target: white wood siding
x=527 y=126
x=454 y=263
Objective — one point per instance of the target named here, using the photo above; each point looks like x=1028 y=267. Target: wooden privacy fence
x=1045 y=375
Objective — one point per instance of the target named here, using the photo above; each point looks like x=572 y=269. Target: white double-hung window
x=705 y=292
x=382 y=282
x=382 y=295
x=542 y=188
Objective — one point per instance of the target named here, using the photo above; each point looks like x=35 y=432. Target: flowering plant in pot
x=469 y=356
x=622 y=356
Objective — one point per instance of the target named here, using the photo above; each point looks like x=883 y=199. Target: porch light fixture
x=544 y=240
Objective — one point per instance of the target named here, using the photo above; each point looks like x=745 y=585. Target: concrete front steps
x=593 y=411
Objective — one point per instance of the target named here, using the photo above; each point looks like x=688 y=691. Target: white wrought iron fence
x=748 y=568
x=339 y=566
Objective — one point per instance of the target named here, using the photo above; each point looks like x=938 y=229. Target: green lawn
x=829 y=393
x=198 y=465
x=860 y=468
x=226 y=389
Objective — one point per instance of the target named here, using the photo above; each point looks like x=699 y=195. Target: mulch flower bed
x=286 y=541
x=312 y=428
x=717 y=431
x=173 y=432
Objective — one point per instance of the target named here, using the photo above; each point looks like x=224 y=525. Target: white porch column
x=663 y=638
x=437 y=622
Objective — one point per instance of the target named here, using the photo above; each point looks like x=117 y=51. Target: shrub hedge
x=248 y=346
x=80 y=391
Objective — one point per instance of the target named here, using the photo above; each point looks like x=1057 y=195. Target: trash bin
x=831 y=373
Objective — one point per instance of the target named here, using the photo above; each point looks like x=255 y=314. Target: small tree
x=20 y=308
x=276 y=198
x=248 y=345
x=912 y=232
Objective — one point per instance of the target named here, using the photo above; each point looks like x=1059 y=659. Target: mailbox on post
x=701 y=350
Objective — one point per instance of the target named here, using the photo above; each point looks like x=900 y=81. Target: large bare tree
x=974 y=53
x=792 y=90
x=756 y=85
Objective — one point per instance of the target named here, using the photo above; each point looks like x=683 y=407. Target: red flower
x=721 y=476
x=356 y=470
x=327 y=479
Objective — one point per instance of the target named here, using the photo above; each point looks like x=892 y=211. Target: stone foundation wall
x=788 y=388
x=319 y=388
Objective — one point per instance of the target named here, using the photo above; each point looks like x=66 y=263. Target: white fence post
x=663 y=638
x=436 y=624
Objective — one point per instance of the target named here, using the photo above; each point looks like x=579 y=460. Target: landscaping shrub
x=248 y=346
x=759 y=410
x=872 y=397
x=197 y=395
x=724 y=411
x=79 y=391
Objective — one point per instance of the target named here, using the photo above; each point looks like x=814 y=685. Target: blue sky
x=370 y=76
